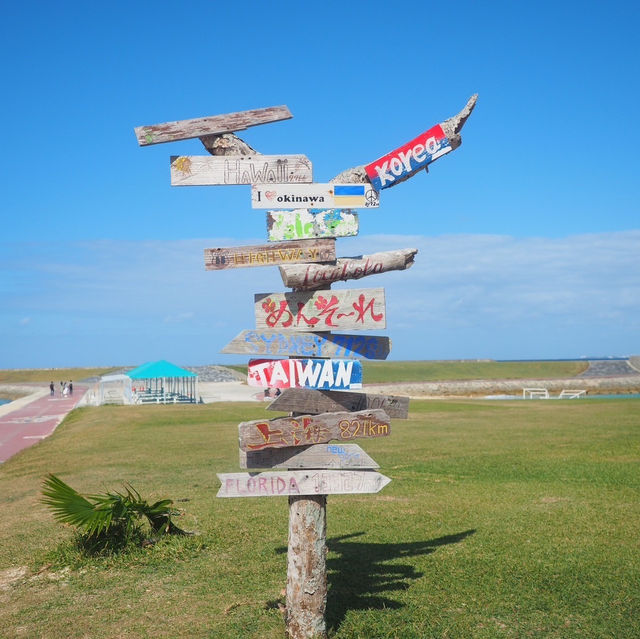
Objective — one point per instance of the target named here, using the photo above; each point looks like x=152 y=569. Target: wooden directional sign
x=314 y=456
x=402 y=163
x=300 y=482
x=217 y=259
x=314 y=196
x=283 y=432
x=305 y=400
x=212 y=125
x=311 y=276
x=275 y=343
x=301 y=224
x=305 y=373
x=199 y=170
x=359 y=309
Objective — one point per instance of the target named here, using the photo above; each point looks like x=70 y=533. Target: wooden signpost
x=302 y=430
x=308 y=276
x=310 y=482
x=305 y=251
x=342 y=456
x=305 y=400
x=212 y=125
x=352 y=309
x=311 y=449
x=300 y=224
x=209 y=170
x=305 y=373
x=276 y=343
x=314 y=196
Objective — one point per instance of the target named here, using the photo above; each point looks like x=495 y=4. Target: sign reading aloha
x=310 y=196
x=409 y=158
x=360 y=309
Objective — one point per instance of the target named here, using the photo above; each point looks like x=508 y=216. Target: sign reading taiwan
x=409 y=158
x=336 y=374
x=314 y=196
x=360 y=309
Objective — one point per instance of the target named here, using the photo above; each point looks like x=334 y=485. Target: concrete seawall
x=480 y=388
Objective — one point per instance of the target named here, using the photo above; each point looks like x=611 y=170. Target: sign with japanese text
x=359 y=309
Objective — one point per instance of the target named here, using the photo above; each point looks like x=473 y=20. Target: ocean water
x=4 y=401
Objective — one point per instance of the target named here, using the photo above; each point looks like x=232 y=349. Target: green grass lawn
x=503 y=519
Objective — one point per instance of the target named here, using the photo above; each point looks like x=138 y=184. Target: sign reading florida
x=402 y=163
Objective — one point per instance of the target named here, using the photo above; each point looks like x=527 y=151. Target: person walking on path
x=51 y=389
x=70 y=387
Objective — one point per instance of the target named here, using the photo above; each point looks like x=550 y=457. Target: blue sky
x=528 y=234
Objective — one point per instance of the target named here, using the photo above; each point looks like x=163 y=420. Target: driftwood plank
x=303 y=430
x=301 y=224
x=311 y=276
x=203 y=170
x=314 y=196
x=275 y=343
x=216 y=259
x=305 y=373
x=314 y=456
x=359 y=309
x=305 y=400
x=300 y=482
x=211 y=125
x=399 y=165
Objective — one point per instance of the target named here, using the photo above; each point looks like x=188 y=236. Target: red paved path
x=28 y=424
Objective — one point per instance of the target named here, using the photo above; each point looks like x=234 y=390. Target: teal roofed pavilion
x=162 y=382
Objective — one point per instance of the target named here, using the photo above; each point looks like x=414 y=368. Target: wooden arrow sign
x=279 y=344
x=305 y=373
x=310 y=276
x=301 y=224
x=359 y=309
x=305 y=400
x=300 y=482
x=217 y=259
x=312 y=429
x=212 y=125
x=314 y=196
x=314 y=456
x=204 y=170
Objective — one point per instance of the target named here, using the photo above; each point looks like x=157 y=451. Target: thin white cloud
x=465 y=296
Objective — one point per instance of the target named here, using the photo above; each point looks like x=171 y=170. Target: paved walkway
x=24 y=422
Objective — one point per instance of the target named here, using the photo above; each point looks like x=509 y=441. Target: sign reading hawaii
x=314 y=196
x=402 y=163
x=362 y=309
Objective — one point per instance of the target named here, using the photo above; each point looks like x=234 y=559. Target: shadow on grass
x=365 y=575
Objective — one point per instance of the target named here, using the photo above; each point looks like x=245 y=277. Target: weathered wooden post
x=320 y=376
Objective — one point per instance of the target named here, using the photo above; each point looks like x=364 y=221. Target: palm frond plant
x=109 y=521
